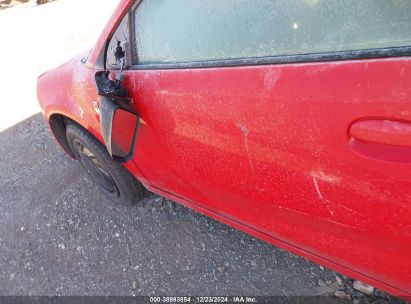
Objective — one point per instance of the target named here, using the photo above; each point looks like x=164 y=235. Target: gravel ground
x=60 y=236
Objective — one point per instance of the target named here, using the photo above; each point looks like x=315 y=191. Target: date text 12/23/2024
x=204 y=299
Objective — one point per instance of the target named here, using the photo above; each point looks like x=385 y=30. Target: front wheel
x=113 y=179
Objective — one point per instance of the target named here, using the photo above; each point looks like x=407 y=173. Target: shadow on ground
x=59 y=235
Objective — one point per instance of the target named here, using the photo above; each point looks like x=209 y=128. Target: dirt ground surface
x=60 y=236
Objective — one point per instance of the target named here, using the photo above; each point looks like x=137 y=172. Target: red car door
x=289 y=119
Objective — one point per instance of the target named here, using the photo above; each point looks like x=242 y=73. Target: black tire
x=113 y=179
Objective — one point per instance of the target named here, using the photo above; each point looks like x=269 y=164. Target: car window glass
x=171 y=31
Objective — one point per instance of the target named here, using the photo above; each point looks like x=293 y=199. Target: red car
x=289 y=120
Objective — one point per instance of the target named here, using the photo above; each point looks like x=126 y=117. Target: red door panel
x=272 y=147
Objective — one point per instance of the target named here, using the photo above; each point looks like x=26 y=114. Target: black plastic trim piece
x=58 y=127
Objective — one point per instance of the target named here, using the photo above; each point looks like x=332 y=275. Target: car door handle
x=382 y=131
x=382 y=139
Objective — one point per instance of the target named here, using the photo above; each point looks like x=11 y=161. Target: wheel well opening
x=58 y=124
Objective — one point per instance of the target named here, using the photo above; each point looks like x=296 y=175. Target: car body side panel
x=269 y=147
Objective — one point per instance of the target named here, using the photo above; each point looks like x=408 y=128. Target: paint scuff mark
x=270 y=79
x=402 y=71
x=246 y=132
x=321 y=197
x=320 y=175
x=81 y=112
x=317 y=188
x=331 y=206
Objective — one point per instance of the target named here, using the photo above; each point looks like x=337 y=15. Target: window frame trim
x=393 y=52
x=336 y=56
